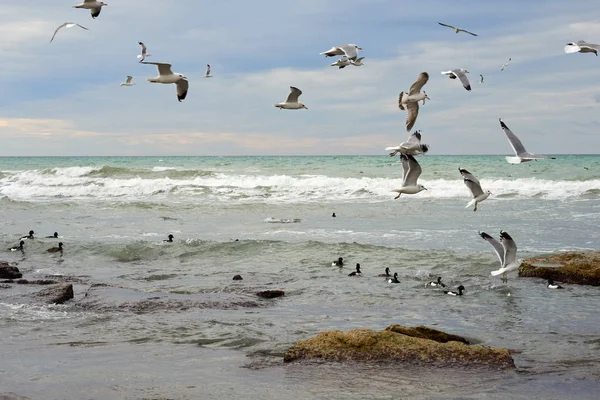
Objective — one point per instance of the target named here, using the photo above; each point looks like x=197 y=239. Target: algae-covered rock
x=424 y=332
x=390 y=345
x=581 y=268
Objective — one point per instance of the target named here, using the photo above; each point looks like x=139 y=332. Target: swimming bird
x=436 y=283
x=165 y=75
x=412 y=146
x=582 y=47
x=55 y=236
x=394 y=279
x=460 y=289
x=207 y=73
x=170 y=239
x=521 y=154
x=30 y=236
x=506 y=250
x=94 y=6
x=338 y=263
x=56 y=249
x=387 y=273
x=505 y=64
x=475 y=188
x=67 y=25
x=128 y=81
x=412 y=170
x=457 y=29
x=411 y=100
x=480 y=78
x=459 y=73
x=341 y=63
x=291 y=103
x=357 y=272
x=19 y=247
x=552 y=285
x=144 y=53
x=348 y=50
x=333 y=215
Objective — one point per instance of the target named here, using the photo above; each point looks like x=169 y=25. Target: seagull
x=582 y=47
x=460 y=74
x=552 y=285
x=128 y=81
x=165 y=75
x=145 y=53
x=207 y=73
x=349 y=50
x=412 y=146
x=341 y=63
x=521 y=154
x=412 y=170
x=475 y=188
x=506 y=250
x=67 y=25
x=291 y=103
x=94 y=6
x=358 y=62
x=480 y=78
x=457 y=29
x=505 y=64
x=411 y=100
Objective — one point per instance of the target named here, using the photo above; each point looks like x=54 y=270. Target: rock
x=12 y=396
x=237 y=278
x=424 y=332
x=9 y=272
x=390 y=345
x=36 y=282
x=270 y=294
x=58 y=294
x=581 y=268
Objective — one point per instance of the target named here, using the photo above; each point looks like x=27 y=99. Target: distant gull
x=291 y=103
x=345 y=61
x=165 y=75
x=348 y=50
x=411 y=100
x=207 y=73
x=521 y=154
x=144 y=53
x=459 y=73
x=457 y=29
x=358 y=62
x=128 y=81
x=582 y=47
x=475 y=188
x=480 y=78
x=412 y=146
x=505 y=64
x=67 y=25
x=506 y=250
x=94 y=6
x=412 y=170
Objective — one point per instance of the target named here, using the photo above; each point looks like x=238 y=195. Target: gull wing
x=411 y=115
x=419 y=83
x=498 y=248
x=163 y=68
x=449 y=26
x=129 y=78
x=350 y=51
x=334 y=51
x=89 y=1
x=95 y=11
x=471 y=182
x=510 y=248
x=405 y=167
x=67 y=25
x=144 y=50
x=413 y=172
x=514 y=141
x=207 y=70
x=583 y=44
x=182 y=88
x=294 y=94
x=463 y=78
x=470 y=33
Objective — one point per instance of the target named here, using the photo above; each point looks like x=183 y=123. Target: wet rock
x=58 y=294
x=424 y=332
x=581 y=268
x=237 y=278
x=391 y=345
x=270 y=294
x=9 y=272
x=36 y=282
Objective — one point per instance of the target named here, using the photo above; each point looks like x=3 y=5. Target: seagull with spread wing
x=521 y=155
x=207 y=73
x=411 y=172
x=506 y=250
x=67 y=25
x=291 y=103
x=459 y=73
x=582 y=47
x=348 y=50
x=94 y=6
x=165 y=75
x=412 y=146
x=457 y=29
x=475 y=188
x=144 y=53
x=410 y=101
x=128 y=81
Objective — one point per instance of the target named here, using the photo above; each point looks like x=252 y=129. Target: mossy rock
x=424 y=332
x=391 y=345
x=582 y=268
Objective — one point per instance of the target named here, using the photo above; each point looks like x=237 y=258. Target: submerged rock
x=420 y=345
x=581 y=268
x=270 y=294
x=58 y=294
x=9 y=272
x=237 y=278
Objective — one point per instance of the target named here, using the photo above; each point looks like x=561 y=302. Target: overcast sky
x=64 y=98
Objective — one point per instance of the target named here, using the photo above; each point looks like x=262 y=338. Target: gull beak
x=359 y=48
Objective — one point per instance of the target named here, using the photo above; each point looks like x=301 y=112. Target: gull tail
x=498 y=272
x=471 y=203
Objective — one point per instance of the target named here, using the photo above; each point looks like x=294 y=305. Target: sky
x=63 y=98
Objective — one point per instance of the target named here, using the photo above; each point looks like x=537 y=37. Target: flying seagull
x=341 y=63
x=457 y=29
x=348 y=50
x=128 y=81
x=144 y=53
x=459 y=73
x=358 y=62
x=480 y=78
x=207 y=73
x=412 y=146
x=291 y=103
x=67 y=25
x=165 y=75
x=521 y=154
x=475 y=188
x=412 y=170
x=94 y=6
x=582 y=47
x=506 y=250
x=410 y=101
x=505 y=64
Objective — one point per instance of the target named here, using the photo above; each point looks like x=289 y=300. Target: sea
x=159 y=320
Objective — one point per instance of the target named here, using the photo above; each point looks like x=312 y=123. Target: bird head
x=303 y=106
x=466 y=72
x=488 y=192
x=421 y=188
x=461 y=287
x=426 y=97
x=103 y=3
